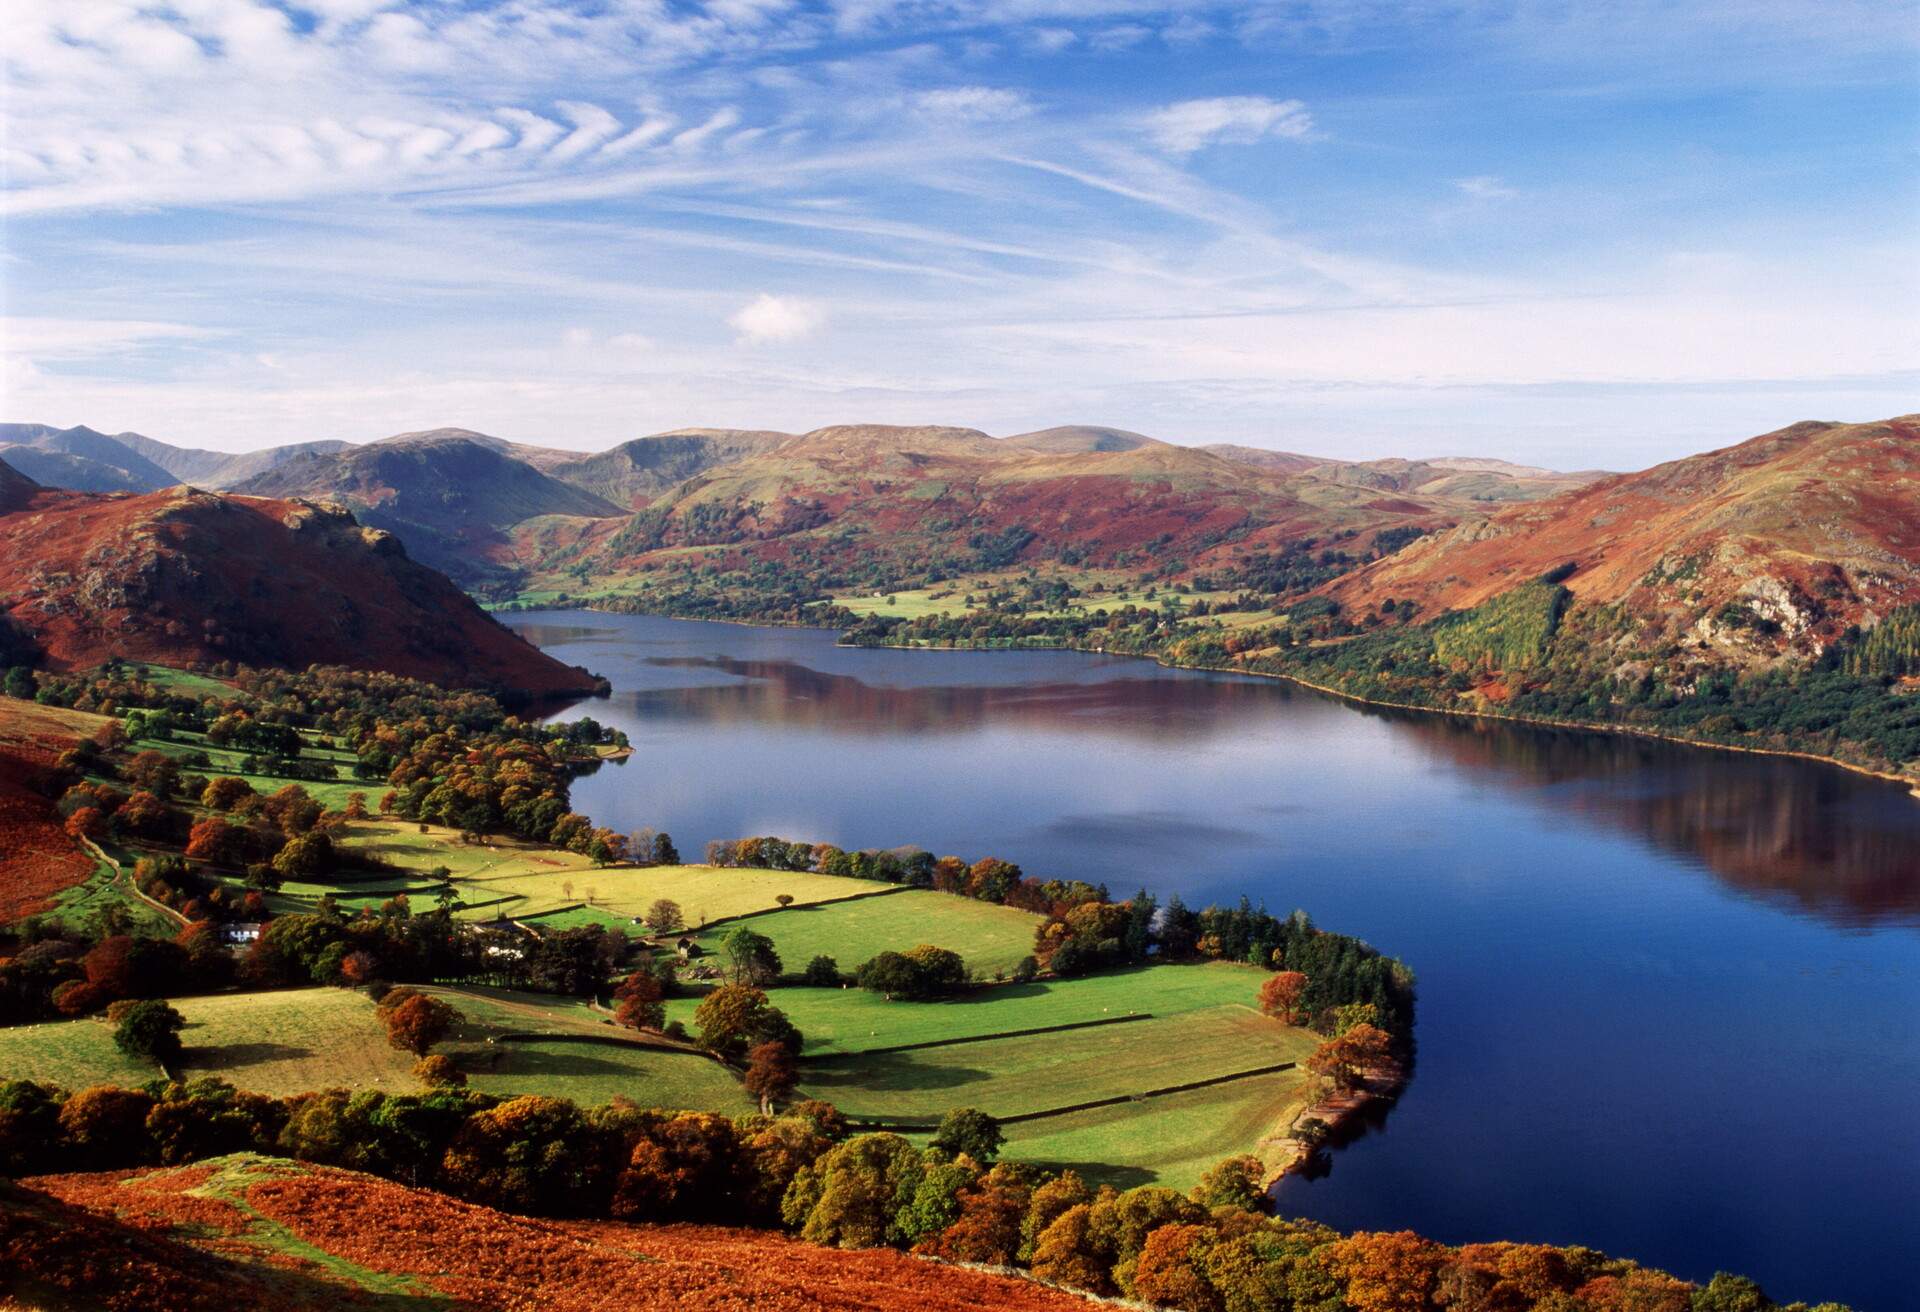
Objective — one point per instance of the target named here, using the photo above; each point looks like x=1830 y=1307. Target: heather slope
x=179 y=576
x=891 y=503
x=1772 y=547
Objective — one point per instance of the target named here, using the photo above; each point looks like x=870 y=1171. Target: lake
x=1669 y=997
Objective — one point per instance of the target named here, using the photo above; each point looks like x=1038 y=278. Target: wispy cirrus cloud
x=607 y=215
x=1189 y=125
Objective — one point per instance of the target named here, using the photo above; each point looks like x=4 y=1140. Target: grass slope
x=300 y=1039
x=991 y=938
x=1040 y=1072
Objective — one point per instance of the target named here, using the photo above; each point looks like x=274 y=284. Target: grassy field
x=281 y=1042
x=837 y=1021
x=106 y=888
x=298 y=1039
x=991 y=938
x=186 y=682
x=1008 y=1077
x=222 y=761
x=1169 y=1140
x=619 y=893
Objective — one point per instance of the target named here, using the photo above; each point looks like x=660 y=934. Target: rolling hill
x=180 y=576
x=450 y=495
x=876 y=504
x=1773 y=547
x=633 y=473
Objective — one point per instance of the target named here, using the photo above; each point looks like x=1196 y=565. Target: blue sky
x=1577 y=234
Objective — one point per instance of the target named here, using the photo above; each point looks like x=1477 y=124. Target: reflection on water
x=1669 y=998
x=1841 y=846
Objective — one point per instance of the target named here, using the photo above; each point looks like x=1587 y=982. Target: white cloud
x=76 y=339
x=974 y=104
x=1185 y=127
x=1485 y=187
x=769 y=318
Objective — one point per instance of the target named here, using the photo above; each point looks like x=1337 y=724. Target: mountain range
x=853 y=501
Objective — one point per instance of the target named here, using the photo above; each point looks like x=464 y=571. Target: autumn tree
x=87 y=823
x=225 y=792
x=1171 y=1270
x=1346 y=1058
x=304 y=856
x=1280 y=995
x=735 y=1017
x=106 y=1126
x=664 y=916
x=638 y=1002
x=1066 y=1253
x=850 y=1197
x=439 y=1072
x=771 y=1074
x=531 y=1154
x=154 y=771
x=1387 y=1272
x=1046 y=1205
x=216 y=841
x=418 y=1023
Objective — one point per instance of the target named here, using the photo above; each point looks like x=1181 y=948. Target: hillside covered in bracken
x=1772 y=548
x=256 y=1232
x=184 y=577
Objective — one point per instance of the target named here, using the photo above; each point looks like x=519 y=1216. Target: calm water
x=1669 y=998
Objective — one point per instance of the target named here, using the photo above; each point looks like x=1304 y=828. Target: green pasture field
x=224 y=761
x=619 y=893
x=991 y=938
x=1169 y=1140
x=294 y=1040
x=851 y=1020
x=1008 y=1077
x=187 y=683
x=280 y=1042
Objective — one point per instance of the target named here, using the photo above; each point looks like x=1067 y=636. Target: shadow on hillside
x=524 y=1059
x=886 y=1071
x=233 y=1056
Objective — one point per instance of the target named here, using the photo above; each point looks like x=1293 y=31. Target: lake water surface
x=1669 y=998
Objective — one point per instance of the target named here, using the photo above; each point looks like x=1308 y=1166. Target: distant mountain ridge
x=450 y=495
x=181 y=576
x=493 y=513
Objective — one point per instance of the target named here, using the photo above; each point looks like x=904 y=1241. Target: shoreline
x=1910 y=782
